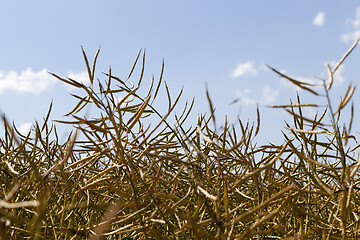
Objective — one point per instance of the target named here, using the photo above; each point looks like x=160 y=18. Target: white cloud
x=338 y=77
x=319 y=19
x=82 y=77
x=356 y=21
x=30 y=81
x=27 y=81
x=243 y=98
x=24 y=128
x=351 y=37
x=287 y=83
x=317 y=83
x=244 y=69
x=355 y=35
x=269 y=95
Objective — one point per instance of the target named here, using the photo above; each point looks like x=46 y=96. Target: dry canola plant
x=120 y=176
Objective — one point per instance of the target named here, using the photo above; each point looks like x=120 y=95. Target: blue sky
x=224 y=44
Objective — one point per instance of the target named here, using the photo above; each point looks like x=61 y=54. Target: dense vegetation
x=119 y=176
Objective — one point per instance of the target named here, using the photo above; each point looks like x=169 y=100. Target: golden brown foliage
x=119 y=177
